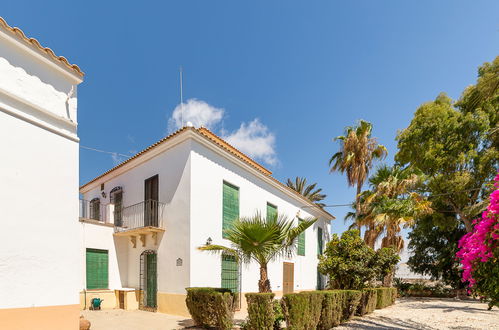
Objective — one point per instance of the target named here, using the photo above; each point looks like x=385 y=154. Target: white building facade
x=144 y=219
x=39 y=275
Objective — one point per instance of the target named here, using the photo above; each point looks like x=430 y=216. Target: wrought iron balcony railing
x=93 y=210
x=149 y=213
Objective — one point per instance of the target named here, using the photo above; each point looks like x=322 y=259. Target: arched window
x=95 y=209
x=116 y=197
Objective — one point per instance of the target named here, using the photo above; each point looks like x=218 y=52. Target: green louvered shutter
x=271 y=211
x=230 y=206
x=301 y=242
x=97 y=262
x=230 y=273
x=319 y=241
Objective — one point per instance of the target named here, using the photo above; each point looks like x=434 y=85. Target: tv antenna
x=181 y=97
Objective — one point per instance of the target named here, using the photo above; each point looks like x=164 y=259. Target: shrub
x=351 y=264
x=332 y=309
x=368 y=301
x=260 y=311
x=211 y=307
x=302 y=310
x=385 y=297
x=351 y=301
x=278 y=315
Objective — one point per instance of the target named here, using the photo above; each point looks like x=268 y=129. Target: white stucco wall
x=38 y=182
x=173 y=169
x=209 y=170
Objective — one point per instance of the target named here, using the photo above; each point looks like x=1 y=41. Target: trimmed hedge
x=302 y=310
x=332 y=309
x=385 y=297
x=368 y=302
x=260 y=311
x=211 y=307
x=320 y=309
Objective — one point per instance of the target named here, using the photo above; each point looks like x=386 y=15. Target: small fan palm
x=262 y=240
x=307 y=190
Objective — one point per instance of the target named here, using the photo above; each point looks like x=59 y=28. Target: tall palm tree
x=261 y=240
x=357 y=152
x=307 y=190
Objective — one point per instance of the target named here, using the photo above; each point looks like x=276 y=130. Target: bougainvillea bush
x=479 y=252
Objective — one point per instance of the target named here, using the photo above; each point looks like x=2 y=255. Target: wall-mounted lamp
x=103 y=194
x=179 y=262
x=208 y=241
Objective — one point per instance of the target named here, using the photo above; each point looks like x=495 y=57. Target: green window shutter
x=319 y=241
x=230 y=273
x=230 y=206
x=97 y=264
x=301 y=242
x=271 y=211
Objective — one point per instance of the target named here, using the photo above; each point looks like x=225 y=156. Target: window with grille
x=97 y=263
x=95 y=209
x=230 y=273
x=271 y=211
x=116 y=198
x=320 y=242
x=301 y=241
x=230 y=206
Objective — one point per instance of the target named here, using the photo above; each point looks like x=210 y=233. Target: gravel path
x=429 y=313
x=407 y=313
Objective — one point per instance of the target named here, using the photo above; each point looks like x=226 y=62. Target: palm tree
x=261 y=240
x=392 y=204
x=357 y=152
x=307 y=190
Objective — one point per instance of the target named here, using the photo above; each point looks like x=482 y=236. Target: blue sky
x=288 y=75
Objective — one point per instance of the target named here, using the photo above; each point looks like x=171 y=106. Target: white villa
x=39 y=278
x=143 y=220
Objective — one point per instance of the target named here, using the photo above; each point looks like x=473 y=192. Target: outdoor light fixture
x=103 y=194
x=179 y=262
x=208 y=241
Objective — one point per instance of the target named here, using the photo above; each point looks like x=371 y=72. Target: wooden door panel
x=288 y=277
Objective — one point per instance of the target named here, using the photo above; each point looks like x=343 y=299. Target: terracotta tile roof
x=213 y=138
x=33 y=43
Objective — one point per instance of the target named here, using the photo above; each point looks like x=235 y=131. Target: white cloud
x=255 y=140
x=199 y=113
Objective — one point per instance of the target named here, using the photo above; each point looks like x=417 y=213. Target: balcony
x=94 y=212
x=140 y=219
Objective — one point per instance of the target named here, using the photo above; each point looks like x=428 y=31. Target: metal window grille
x=148 y=281
x=231 y=277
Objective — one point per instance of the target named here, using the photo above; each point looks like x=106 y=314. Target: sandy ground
x=410 y=313
x=429 y=313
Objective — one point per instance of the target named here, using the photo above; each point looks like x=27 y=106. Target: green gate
x=148 y=280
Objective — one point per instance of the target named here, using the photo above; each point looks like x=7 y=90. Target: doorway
x=148 y=280
x=151 y=194
x=288 y=277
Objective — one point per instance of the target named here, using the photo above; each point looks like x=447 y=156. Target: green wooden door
x=97 y=269
x=151 y=276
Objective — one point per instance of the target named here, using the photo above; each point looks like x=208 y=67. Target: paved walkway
x=411 y=313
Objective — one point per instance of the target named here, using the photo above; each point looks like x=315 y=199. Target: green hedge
x=211 y=307
x=302 y=310
x=260 y=311
x=368 y=302
x=351 y=301
x=332 y=309
x=385 y=297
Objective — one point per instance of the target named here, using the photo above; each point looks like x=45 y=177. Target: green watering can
x=95 y=303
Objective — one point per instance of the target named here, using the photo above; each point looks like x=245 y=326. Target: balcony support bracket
x=155 y=238
x=142 y=238
x=133 y=240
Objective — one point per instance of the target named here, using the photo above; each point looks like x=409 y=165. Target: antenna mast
x=181 y=98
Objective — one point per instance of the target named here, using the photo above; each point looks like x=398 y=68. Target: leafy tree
x=433 y=246
x=262 y=240
x=351 y=264
x=307 y=190
x=357 y=152
x=455 y=150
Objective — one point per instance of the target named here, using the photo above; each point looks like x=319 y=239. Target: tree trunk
x=264 y=283
x=468 y=224
x=357 y=200
x=388 y=279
